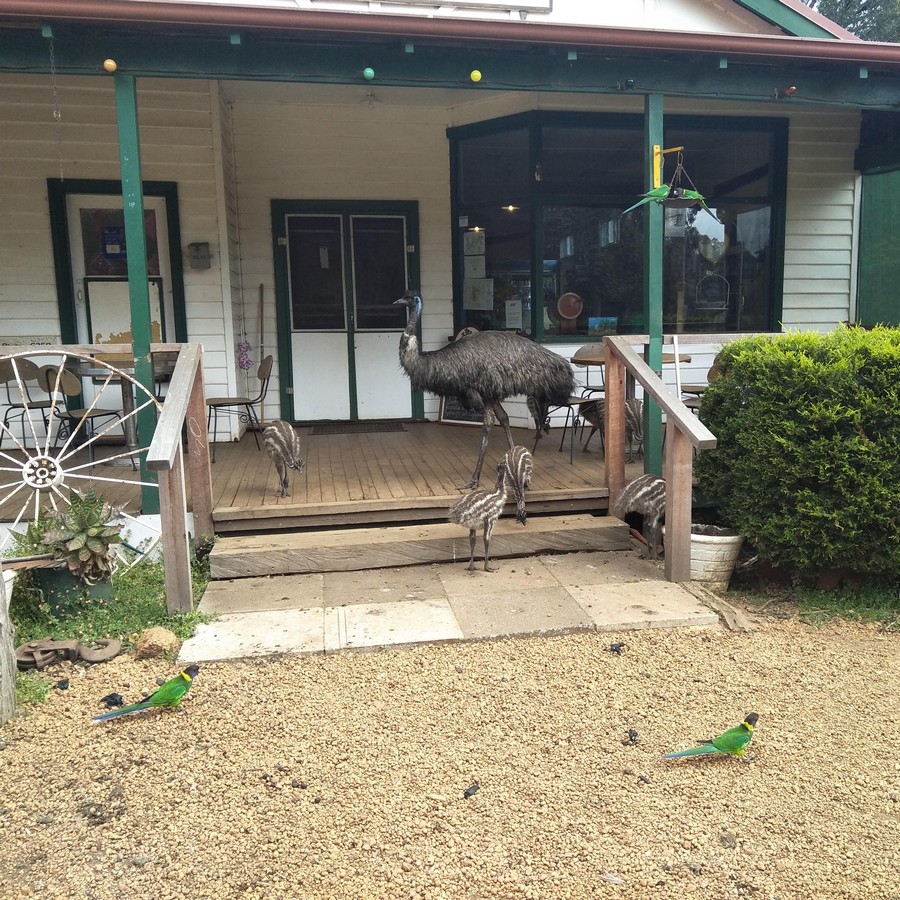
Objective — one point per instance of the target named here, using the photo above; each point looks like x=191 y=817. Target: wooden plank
x=679 y=482
x=354 y=549
x=614 y=424
x=198 y=457
x=179 y=593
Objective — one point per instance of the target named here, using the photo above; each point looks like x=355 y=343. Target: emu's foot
x=488 y=568
x=470 y=485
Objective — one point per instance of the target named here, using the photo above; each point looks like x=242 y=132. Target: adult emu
x=481 y=370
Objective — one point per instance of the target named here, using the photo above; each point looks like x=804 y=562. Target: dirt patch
x=345 y=776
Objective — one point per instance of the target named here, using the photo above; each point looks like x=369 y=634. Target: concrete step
x=352 y=549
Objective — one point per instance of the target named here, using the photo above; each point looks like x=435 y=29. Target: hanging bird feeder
x=679 y=193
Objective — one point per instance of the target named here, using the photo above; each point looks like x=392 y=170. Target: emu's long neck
x=409 y=343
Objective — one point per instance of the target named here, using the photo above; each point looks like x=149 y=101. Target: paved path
x=322 y=613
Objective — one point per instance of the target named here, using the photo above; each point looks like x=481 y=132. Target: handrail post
x=179 y=591
x=198 y=459
x=614 y=422
x=679 y=485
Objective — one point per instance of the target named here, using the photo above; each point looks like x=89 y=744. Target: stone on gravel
x=157 y=643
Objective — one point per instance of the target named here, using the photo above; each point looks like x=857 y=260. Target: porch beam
x=138 y=285
x=531 y=68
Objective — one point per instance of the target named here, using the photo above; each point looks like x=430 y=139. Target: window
x=546 y=192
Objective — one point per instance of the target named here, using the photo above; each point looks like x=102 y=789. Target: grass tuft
x=31 y=689
x=138 y=603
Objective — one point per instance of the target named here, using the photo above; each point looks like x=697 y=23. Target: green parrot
x=687 y=194
x=732 y=742
x=658 y=194
x=169 y=694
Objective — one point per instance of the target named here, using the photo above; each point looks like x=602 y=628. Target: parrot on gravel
x=169 y=694
x=732 y=742
x=658 y=194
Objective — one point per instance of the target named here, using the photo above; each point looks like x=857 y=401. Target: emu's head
x=411 y=300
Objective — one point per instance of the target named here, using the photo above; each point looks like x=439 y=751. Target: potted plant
x=81 y=537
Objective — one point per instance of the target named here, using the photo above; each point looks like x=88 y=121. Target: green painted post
x=653 y=282
x=138 y=290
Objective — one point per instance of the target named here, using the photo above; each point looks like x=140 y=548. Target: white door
x=344 y=272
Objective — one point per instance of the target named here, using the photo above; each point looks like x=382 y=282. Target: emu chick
x=520 y=466
x=646 y=495
x=283 y=446
x=481 y=509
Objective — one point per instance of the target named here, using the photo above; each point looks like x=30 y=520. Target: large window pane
x=495 y=168
x=716 y=273
x=497 y=268
x=592 y=162
x=596 y=256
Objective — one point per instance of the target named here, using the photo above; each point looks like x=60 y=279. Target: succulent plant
x=83 y=534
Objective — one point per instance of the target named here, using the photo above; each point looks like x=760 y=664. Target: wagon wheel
x=43 y=461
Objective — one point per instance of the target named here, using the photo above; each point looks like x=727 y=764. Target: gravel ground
x=344 y=776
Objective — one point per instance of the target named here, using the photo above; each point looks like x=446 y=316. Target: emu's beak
x=398 y=302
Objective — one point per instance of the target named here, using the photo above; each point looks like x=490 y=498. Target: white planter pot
x=714 y=552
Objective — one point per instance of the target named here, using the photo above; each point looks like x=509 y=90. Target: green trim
x=507 y=67
x=344 y=208
x=138 y=288
x=778 y=195
x=776 y=13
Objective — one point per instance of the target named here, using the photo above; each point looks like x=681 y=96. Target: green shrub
x=807 y=465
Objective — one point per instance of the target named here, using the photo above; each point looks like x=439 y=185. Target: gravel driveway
x=344 y=776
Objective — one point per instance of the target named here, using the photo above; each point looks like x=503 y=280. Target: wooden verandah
x=368 y=477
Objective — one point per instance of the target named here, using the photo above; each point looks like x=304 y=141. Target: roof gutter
x=336 y=24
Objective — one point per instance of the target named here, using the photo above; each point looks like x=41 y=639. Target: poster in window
x=478 y=293
x=473 y=243
x=474 y=267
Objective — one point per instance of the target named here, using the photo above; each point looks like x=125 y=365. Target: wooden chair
x=58 y=381
x=18 y=381
x=246 y=407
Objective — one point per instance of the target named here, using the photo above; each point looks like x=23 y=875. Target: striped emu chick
x=521 y=468
x=646 y=495
x=592 y=411
x=481 y=509
x=283 y=446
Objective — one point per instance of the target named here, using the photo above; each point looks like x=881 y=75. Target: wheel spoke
x=19 y=445
x=23 y=390
x=111 y=480
x=18 y=518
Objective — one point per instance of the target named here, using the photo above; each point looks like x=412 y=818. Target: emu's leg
x=488 y=530
x=282 y=471
x=503 y=419
x=475 y=480
x=471 y=549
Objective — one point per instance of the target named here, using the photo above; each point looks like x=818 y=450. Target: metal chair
x=246 y=404
x=58 y=381
x=580 y=359
x=18 y=376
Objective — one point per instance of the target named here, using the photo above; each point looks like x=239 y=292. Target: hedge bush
x=807 y=465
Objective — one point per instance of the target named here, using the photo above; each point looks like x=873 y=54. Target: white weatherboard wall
x=291 y=150
x=176 y=145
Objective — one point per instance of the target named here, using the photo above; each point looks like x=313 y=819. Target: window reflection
x=548 y=201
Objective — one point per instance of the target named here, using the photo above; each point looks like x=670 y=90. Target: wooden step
x=352 y=549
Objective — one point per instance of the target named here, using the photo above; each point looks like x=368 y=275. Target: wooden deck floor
x=373 y=477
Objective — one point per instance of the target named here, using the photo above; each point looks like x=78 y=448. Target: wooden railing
x=185 y=405
x=684 y=432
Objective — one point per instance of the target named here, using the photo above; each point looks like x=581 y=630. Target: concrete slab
x=237 y=635
x=633 y=606
x=527 y=611
x=268 y=592
x=513 y=574
x=381 y=585
x=383 y=624
x=603 y=568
